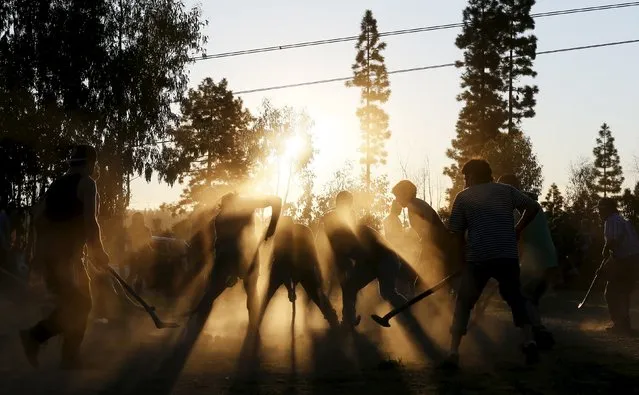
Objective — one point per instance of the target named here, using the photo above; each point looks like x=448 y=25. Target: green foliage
x=370 y=74
x=607 y=164
x=582 y=195
x=212 y=144
x=629 y=204
x=554 y=203
x=103 y=72
x=521 y=51
x=514 y=154
x=498 y=53
x=374 y=205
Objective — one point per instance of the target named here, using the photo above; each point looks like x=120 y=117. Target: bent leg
x=313 y=289
x=508 y=275
x=387 y=276
x=79 y=305
x=473 y=280
x=360 y=276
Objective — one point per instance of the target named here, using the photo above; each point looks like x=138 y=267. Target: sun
x=293 y=147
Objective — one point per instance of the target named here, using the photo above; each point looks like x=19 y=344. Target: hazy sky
x=578 y=90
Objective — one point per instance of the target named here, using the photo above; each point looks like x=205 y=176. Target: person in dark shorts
x=378 y=261
x=436 y=256
x=295 y=261
x=622 y=273
x=236 y=250
x=337 y=240
x=484 y=210
x=66 y=222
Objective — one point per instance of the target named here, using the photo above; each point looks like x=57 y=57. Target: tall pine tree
x=554 y=203
x=521 y=47
x=498 y=52
x=213 y=144
x=369 y=74
x=608 y=171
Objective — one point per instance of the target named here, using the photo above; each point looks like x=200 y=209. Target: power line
x=403 y=31
x=409 y=70
x=437 y=66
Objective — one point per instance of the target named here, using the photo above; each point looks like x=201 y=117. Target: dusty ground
x=311 y=360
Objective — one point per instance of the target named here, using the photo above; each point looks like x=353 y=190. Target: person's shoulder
x=463 y=195
x=615 y=218
x=87 y=184
x=420 y=205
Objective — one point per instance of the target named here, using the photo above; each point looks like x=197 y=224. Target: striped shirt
x=485 y=211
x=621 y=231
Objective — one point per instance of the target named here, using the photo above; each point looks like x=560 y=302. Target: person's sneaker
x=544 y=339
x=531 y=353
x=451 y=362
x=31 y=347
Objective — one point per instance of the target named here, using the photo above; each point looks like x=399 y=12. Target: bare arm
x=87 y=193
x=274 y=202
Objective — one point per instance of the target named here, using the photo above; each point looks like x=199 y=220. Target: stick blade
x=381 y=321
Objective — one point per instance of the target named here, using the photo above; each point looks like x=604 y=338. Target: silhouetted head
x=137 y=219
x=395 y=208
x=228 y=199
x=607 y=206
x=510 y=179
x=477 y=171
x=344 y=200
x=84 y=158
x=404 y=192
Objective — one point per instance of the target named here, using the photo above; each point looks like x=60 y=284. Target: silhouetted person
x=140 y=251
x=434 y=237
x=393 y=228
x=236 y=249
x=622 y=244
x=537 y=262
x=485 y=211
x=378 y=262
x=402 y=243
x=295 y=261
x=66 y=223
x=337 y=228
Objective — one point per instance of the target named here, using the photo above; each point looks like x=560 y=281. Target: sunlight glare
x=294 y=147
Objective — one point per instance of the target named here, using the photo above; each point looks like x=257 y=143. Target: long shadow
x=367 y=370
x=161 y=368
x=581 y=363
x=293 y=351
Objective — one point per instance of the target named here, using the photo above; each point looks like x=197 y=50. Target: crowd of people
x=495 y=231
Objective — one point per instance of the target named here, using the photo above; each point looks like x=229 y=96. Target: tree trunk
x=605 y=164
x=368 y=114
x=510 y=80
